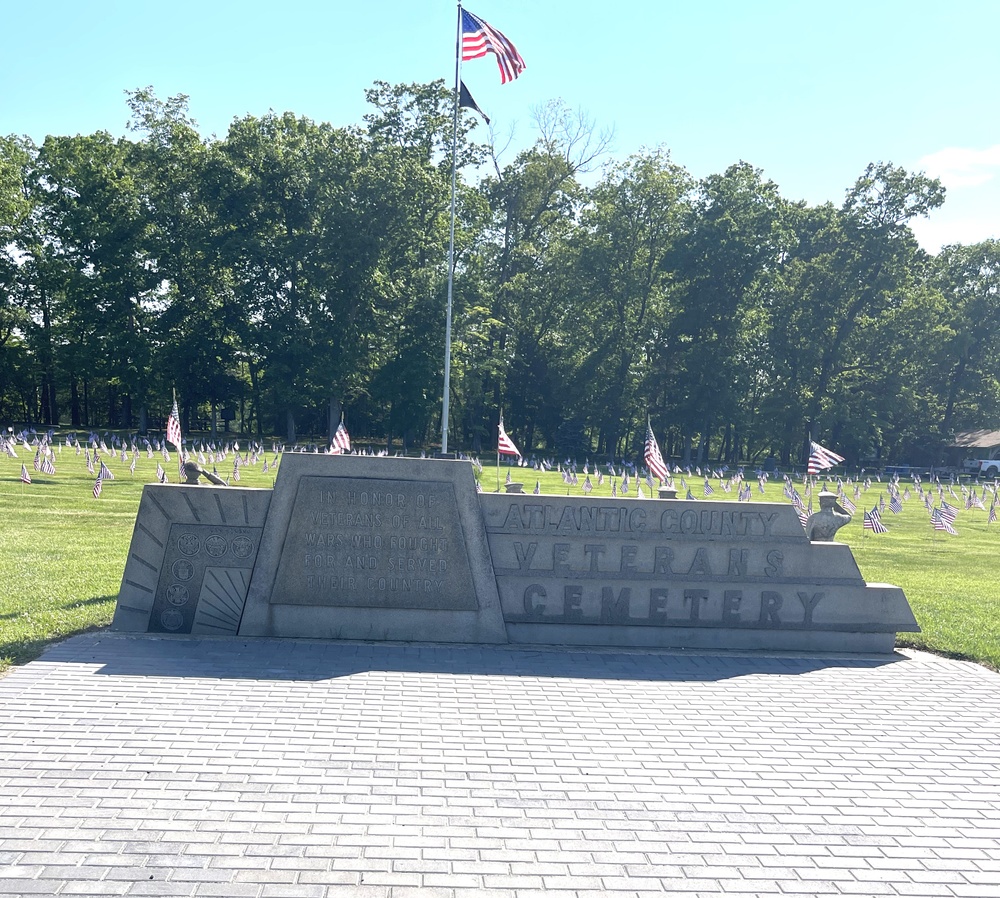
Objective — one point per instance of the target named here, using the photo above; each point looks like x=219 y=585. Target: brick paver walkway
x=197 y=767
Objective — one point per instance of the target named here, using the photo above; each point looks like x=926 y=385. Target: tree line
x=292 y=270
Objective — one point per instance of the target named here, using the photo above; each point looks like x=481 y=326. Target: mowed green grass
x=62 y=552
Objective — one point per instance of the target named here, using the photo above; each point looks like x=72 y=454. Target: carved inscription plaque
x=367 y=543
x=670 y=565
x=203 y=578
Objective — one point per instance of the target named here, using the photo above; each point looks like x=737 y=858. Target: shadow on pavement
x=313 y=660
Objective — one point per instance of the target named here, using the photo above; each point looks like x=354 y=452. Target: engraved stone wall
x=405 y=549
x=374 y=548
x=669 y=573
x=189 y=563
x=388 y=543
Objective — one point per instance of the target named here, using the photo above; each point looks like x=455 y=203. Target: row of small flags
x=942 y=517
x=820 y=459
x=96 y=465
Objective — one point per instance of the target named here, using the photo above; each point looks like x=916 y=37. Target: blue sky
x=809 y=93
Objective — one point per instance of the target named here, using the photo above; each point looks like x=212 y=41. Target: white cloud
x=958 y=167
x=944 y=230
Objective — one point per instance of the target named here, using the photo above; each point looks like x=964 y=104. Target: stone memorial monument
x=349 y=547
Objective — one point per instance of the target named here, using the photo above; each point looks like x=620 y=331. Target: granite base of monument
x=406 y=550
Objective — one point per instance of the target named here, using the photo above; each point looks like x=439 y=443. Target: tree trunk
x=74 y=401
x=255 y=399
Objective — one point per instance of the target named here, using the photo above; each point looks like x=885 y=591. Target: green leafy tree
x=534 y=202
x=302 y=250
x=712 y=354
x=620 y=303
x=85 y=271
x=15 y=361
x=969 y=277
x=851 y=269
x=200 y=330
x=407 y=172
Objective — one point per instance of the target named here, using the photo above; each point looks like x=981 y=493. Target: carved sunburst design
x=220 y=604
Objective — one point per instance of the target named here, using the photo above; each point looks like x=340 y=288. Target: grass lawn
x=62 y=552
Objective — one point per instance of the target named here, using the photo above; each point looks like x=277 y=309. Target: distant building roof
x=978 y=439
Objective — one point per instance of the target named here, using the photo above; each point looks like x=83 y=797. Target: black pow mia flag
x=465 y=99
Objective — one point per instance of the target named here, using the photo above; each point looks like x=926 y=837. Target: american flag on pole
x=821 y=458
x=654 y=460
x=939 y=521
x=873 y=521
x=25 y=476
x=505 y=445
x=480 y=38
x=174 y=427
x=341 y=439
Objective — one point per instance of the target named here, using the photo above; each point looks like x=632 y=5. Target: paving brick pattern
x=227 y=767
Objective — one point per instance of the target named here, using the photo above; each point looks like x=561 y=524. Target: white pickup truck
x=988 y=467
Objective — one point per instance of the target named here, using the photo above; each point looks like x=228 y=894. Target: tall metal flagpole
x=451 y=241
